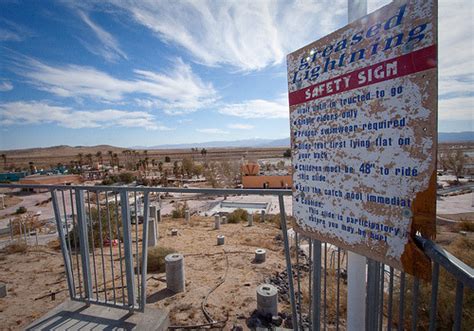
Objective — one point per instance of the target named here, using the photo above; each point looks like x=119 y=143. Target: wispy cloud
x=459 y=108
x=248 y=35
x=258 y=108
x=212 y=131
x=6 y=86
x=239 y=126
x=40 y=112
x=176 y=91
x=11 y=31
x=108 y=47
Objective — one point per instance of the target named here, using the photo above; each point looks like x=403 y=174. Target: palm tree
x=204 y=152
x=4 y=157
x=81 y=158
x=111 y=157
x=89 y=158
x=98 y=155
x=116 y=160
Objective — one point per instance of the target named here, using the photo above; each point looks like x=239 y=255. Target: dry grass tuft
x=16 y=247
x=466 y=225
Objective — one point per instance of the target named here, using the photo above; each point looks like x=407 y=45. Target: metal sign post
x=356 y=264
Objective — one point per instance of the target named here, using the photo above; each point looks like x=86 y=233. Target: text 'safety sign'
x=363 y=112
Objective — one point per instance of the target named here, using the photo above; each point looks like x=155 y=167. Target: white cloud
x=248 y=35
x=109 y=47
x=176 y=91
x=6 y=86
x=240 y=126
x=258 y=108
x=11 y=31
x=212 y=131
x=39 y=112
x=460 y=108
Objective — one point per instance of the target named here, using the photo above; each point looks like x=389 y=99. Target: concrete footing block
x=174 y=232
x=260 y=255
x=220 y=240
x=250 y=219
x=267 y=299
x=152 y=232
x=175 y=278
x=224 y=220
x=217 y=222
x=187 y=216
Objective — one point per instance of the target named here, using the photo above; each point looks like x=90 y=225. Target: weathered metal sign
x=363 y=112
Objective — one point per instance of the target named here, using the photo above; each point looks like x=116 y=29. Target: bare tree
x=454 y=161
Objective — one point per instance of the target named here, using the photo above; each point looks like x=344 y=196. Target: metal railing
x=110 y=271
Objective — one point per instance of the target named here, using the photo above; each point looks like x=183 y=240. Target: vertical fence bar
x=111 y=241
x=316 y=294
x=298 y=277
x=416 y=293
x=458 y=306
x=91 y=226
x=101 y=243
x=68 y=241
x=128 y=251
x=325 y=286
x=144 y=251
x=401 y=307
x=434 y=297
x=76 y=234
x=382 y=284
x=119 y=246
x=137 y=262
x=62 y=242
x=338 y=287
x=390 y=301
x=288 y=262
x=310 y=282
x=84 y=244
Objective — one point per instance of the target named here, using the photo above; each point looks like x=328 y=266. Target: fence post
x=62 y=242
x=145 y=250
x=83 y=243
x=289 y=270
x=127 y=246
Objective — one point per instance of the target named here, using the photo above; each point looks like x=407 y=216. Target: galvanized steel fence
x=98 y=228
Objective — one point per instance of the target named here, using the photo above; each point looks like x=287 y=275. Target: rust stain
x=414 y=261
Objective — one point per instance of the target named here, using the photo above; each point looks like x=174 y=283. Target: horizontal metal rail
x=215 y=191
x=461 y=271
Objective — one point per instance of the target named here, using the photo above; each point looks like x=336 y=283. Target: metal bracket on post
x=84 y=243
x=289 y=270
x=127 y=245
x=62 y=242
x=144 y=258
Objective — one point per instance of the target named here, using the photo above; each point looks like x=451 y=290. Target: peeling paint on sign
x=363 y=112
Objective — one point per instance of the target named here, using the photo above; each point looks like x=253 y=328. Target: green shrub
x=179 y=210
x=156 y=258
x=21 y=210
x=237 y=216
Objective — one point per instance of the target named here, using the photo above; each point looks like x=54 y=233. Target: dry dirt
x=39 y=271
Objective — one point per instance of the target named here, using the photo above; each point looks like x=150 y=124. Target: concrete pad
x=73 y=315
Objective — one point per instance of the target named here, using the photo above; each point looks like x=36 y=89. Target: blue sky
x=163 y=72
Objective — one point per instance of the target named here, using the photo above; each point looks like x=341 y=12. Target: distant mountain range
x=443 y=137
x=454 y=137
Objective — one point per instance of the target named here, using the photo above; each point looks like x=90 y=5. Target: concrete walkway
x=73 y=315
